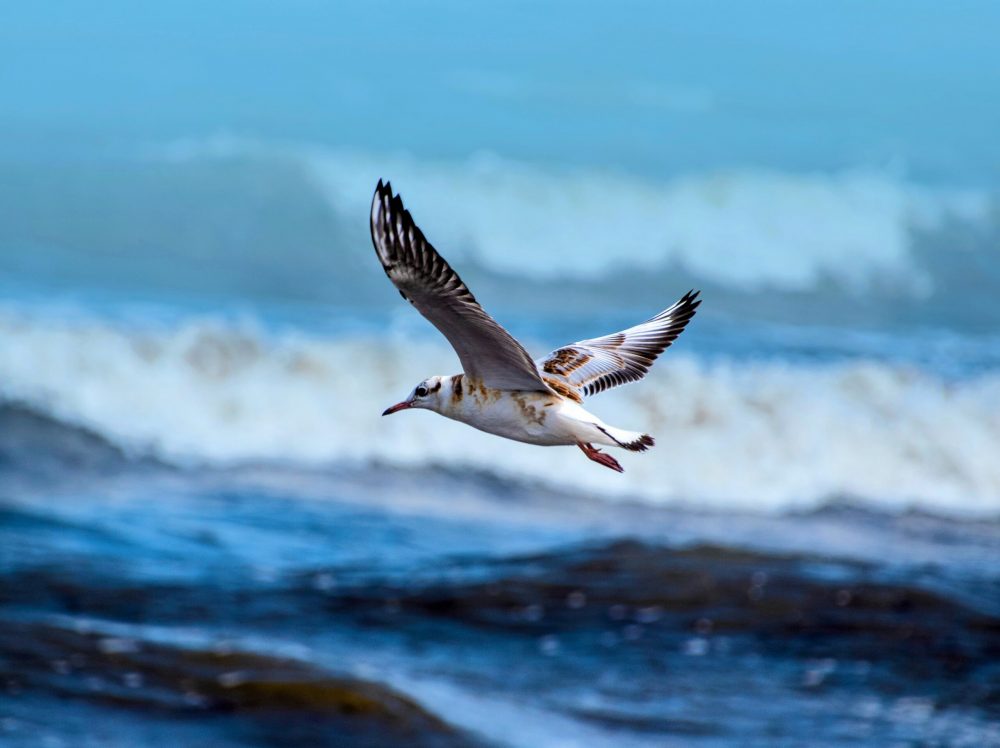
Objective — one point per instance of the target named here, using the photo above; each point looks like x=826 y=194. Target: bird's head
x=424 y=395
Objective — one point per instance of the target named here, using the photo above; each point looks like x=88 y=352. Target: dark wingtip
x=379 y=197
x=383 y=189
x=689 y=302
x=379 y=221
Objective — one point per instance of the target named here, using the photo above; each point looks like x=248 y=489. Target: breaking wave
x=757 y=436
x=740 y=228
x=267 y=223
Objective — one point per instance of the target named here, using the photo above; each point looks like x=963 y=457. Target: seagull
x=501 y=390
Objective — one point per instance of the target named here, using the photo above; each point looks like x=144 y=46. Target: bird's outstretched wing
x=487 y=351
x=592 y=366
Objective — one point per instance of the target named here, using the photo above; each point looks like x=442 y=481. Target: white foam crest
x=761 y=437
x=748 y=229
x=744 y=228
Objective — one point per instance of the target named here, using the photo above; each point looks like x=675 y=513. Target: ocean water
x=207 y=533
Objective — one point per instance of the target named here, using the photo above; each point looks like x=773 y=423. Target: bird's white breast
x=532 y=417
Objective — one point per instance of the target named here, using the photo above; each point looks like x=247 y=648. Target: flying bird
x=501 y=389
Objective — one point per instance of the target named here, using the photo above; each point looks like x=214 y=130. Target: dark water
x=145 y=604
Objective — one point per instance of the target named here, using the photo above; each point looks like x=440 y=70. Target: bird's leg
x=600 y=457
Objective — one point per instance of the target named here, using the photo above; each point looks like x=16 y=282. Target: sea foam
x=765 y=436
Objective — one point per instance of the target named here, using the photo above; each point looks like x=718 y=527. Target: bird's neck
x=459 y=395
x=454 y=390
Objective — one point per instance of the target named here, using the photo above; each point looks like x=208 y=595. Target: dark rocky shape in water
x=262 y=699
x=782 y=607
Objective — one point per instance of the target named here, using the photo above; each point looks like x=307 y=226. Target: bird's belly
x=531 y=417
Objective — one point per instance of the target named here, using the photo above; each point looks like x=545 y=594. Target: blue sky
x=808 y=85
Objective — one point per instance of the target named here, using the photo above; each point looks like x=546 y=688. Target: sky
x=650 y=87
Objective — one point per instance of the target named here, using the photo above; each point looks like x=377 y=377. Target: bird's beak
x=396 y=408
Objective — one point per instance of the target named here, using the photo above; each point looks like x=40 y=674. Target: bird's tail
x=633 y=441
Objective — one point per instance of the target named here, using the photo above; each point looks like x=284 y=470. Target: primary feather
x=594 y=365
x=488 y=353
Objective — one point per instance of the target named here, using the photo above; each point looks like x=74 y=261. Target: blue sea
x=208 y=535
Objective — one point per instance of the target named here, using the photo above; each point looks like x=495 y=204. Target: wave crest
x=761 y=436
x=745 y=229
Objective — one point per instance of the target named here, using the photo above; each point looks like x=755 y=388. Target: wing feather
x=592 y=366
x=487 y=351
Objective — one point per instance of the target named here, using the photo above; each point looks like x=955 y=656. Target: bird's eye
x=421 y=391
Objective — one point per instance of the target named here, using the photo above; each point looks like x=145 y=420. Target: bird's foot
x=602 y=458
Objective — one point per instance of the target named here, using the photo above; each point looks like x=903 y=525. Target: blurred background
x=207 y=533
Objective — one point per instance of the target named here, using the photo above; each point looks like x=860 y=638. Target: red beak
x=397 y=407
